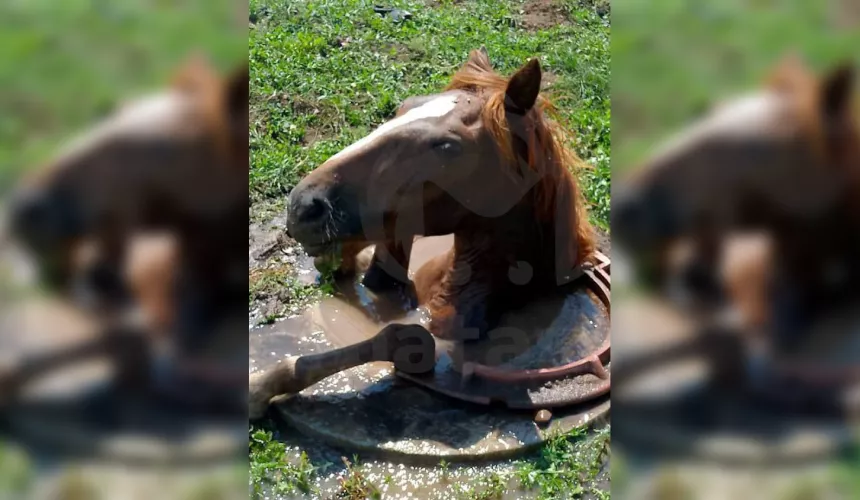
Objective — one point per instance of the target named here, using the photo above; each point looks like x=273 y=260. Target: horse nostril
x=625 y=215
x=314 y=210
x=27 y=212
x=42 y=218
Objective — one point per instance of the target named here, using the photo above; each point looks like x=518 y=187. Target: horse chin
x=325 y=250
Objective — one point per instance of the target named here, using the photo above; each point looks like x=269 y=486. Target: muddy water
x=67 y=417
x=538 y=335
x=552 y=331
x=671 y=423
x=347 y=322
x=835 y=341
x=406 y=481
x=369 y=410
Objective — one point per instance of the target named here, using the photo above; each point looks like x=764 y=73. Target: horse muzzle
x=41 y=220
x=319 y=219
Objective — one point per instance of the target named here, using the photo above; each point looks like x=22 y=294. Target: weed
x=270 y=470
x=325 y=73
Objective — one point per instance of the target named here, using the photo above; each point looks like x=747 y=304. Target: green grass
x=354 y=485
x=567 y=466
x=672 y=59
x=270 y=471
x=67 y=63
x=325 y=73
x=280 y=281
x=16 y=471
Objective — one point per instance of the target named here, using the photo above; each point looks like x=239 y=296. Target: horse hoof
x=377 y=280
x=380 y=282
x=259 y=396
x=408 y=296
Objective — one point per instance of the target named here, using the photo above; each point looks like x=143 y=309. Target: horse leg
x=151 y=272
x=745 y=274
x=101 y=265
x=388 y=272
x=457 y=299
x=429 y=279
x=126 y=348
x=465 y=315
x=349 y=257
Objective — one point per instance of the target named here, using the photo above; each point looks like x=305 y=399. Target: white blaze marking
x=150 y=116
x=437 y=107
x=746 y=116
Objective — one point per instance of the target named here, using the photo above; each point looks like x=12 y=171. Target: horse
x=173 y=161
x=138 y=213
x=148 y=275
x=784 y=160
x=486 y=160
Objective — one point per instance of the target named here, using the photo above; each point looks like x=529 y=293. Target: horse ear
x=195 y=73
x=480 y=59
x=837 y=93
x=523 y=88
x=236 y=103
x=790 y=73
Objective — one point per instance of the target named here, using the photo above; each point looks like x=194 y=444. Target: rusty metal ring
x=598 y=281
x=805 y=381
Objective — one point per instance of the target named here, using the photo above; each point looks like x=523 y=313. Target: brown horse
x=173 y=161
x=149 y=274
x=483 y=160
x=784 y=160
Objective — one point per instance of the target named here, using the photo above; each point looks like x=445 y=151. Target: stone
x=543 y=417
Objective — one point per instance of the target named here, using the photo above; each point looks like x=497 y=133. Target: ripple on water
x=335 y=322
x=405 y=481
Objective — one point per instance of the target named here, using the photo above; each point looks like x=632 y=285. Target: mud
x=398 y=480
x=352 y=408
x=674 y=429
x=401 y=450
x=542 y=14
x=76 y=415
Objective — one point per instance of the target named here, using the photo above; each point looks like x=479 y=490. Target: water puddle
x=836 y=341
x=397 y=480
x=555 y=330
x=369 y=410
x=72 y=415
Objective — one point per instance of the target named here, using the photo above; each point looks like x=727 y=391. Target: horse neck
x=490 y=246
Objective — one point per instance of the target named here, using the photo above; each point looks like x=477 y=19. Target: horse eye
x=447 y=147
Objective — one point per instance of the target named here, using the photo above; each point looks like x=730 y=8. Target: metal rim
x=790 y=384
x=594 y=364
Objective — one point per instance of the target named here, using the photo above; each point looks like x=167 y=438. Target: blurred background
x=703 y=93
x=77 y=68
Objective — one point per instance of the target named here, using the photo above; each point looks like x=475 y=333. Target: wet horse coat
x=784 y=161
x=482 y=160
x=174 y=163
